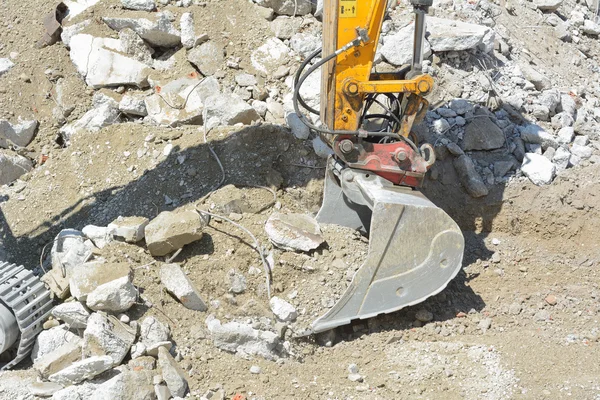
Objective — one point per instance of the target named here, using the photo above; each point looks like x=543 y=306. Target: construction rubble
x=157 y=299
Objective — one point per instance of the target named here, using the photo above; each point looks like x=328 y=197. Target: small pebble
x=255 y=369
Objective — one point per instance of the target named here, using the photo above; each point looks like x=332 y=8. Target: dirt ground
x=519 y=322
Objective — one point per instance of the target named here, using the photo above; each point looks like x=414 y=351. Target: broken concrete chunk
x=12 y=166
x=397 y=49
x=85 y=279
x=128 y=385
x=141 y=5
x=100 y=62
x=172 y=373
x=69 y=31
x=285 y=27
x=153 y=332
x=535 y=134
x=44 y=389
x=295 y=232
x=82 y=370
x=58 y=359
x=298 y=128
x=73 y=314
x=171 y=230
x=209 y=57
x=69 y=251
x=283 y=310
x=20 y=134
x=538 y=169
x=105 y=112
x=130 y=229
x=270 y=56
x=133 y=45
x=82 y=391
x=50 y=340
x=539 y=80
x=99 y=235
x=189 y=96
x=450 y=35
x=186 y=25
x=244 y=79
x=115 y=296
x=133 y=105
x=287 y=7
x=160 y=33
x=548 y=5
x=181 y=287
x=228 y=109
x=105 y=335
x=469 y=177
x=5 y=65
x=243 y=339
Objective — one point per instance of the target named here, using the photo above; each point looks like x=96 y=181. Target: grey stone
x=87 y=277
x=501 y=168
x=539 y=80
x=540 y=112
x=424 y=316
x=565 y=135
x=561 y=159
x=287 y=7
x=568 y=104
x=99 y=235
x=283 y=310
x=446 y=112
x=591 y=28
x=454 y=149
x=552 y=99
x=583 y=152
x=242 y=339
x=133 y=105
x=73 y=313
x=152 y=331
x=82 y=370
x=144 y=362
x=44 y=389
x=77 y=392
x=20 y=134
x=548 y=5
x=470 y=179
x=162 y=392
x=581 y=140
x=460 y=106
x=228 y=109
x=304 y=43
x=101 y=115
x=482 y=134
x=141 y=5
x=320 y=148
x=174 y=376
x=260 y=107
x=485 y=324
x=450 y=35
x=440 y=126
x=181 y=287
x=538 y=169
x=130 y=229
x=237 y=282
x=159 y=33
x=285 y=27
x=245 y=79
x=116 y=296
x=58 y=359
x=270 y=56
x=128 y=385
x=298 y=128
x=397 y=49
x=535 y=134
x=12 y=166
x=105 y=335
x=295 y=232
x=355 y=377
x=51 y=339
x=171 y=230
x=133 y=45
x=5 y=65
x=209 y=57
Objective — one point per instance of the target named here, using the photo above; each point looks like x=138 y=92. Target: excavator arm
x=371 y=181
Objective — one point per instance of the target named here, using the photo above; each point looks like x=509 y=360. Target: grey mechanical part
x=25 y=304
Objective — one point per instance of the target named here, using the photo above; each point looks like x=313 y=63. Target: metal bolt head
x=401 y=155
x=346 y=146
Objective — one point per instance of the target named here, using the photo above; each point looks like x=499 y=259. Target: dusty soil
x=520 y=321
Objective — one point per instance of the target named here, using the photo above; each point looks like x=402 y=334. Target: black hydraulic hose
x=297 y=78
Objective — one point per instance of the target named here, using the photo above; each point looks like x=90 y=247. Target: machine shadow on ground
x=249 y=156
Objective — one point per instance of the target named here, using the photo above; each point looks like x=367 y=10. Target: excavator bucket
x=415 y=248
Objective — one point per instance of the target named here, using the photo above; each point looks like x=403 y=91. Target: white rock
x=581 y=140
x=228 y=109
x=287 y=7
x=298 y=128
x=548 y=5
x=50 y=340
x=85 y=278
x=21 y=133
x=99 y=235
x=533 y=133
x=5 y=65
x=77 y=392
x=243 y=339
x=12 y=166
x=130 y=229
x=99 y=61
x=69 y=251
x=295 y=232
x=449 y=35
x=568 y=104
x=128 y=385
x=105 y=335
x=561 y=159
x=174 y=376
x=270 y=56
x=186 y=25
x=304 y=43
x=105 y=112
x=591 y=28
x=179 y=285
x=44 y=389
x=73 y=313
x=76 y=7
x=115 y=296
x=133 y=105
x=397 y=49
x=190 y=94
x=285 y=27
x=58 y=358
x=141 y=5
x=161 y=33
x=82 y=370
x=538 y=169
x=209 y=57
x=152 y=331
x=283 y=310
x=171 y=230
x=244 y=79
x=255 y=369
x=565 y=135
x=69 y=31
x=320 y=148
x=260 y=107
x=582 y=152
